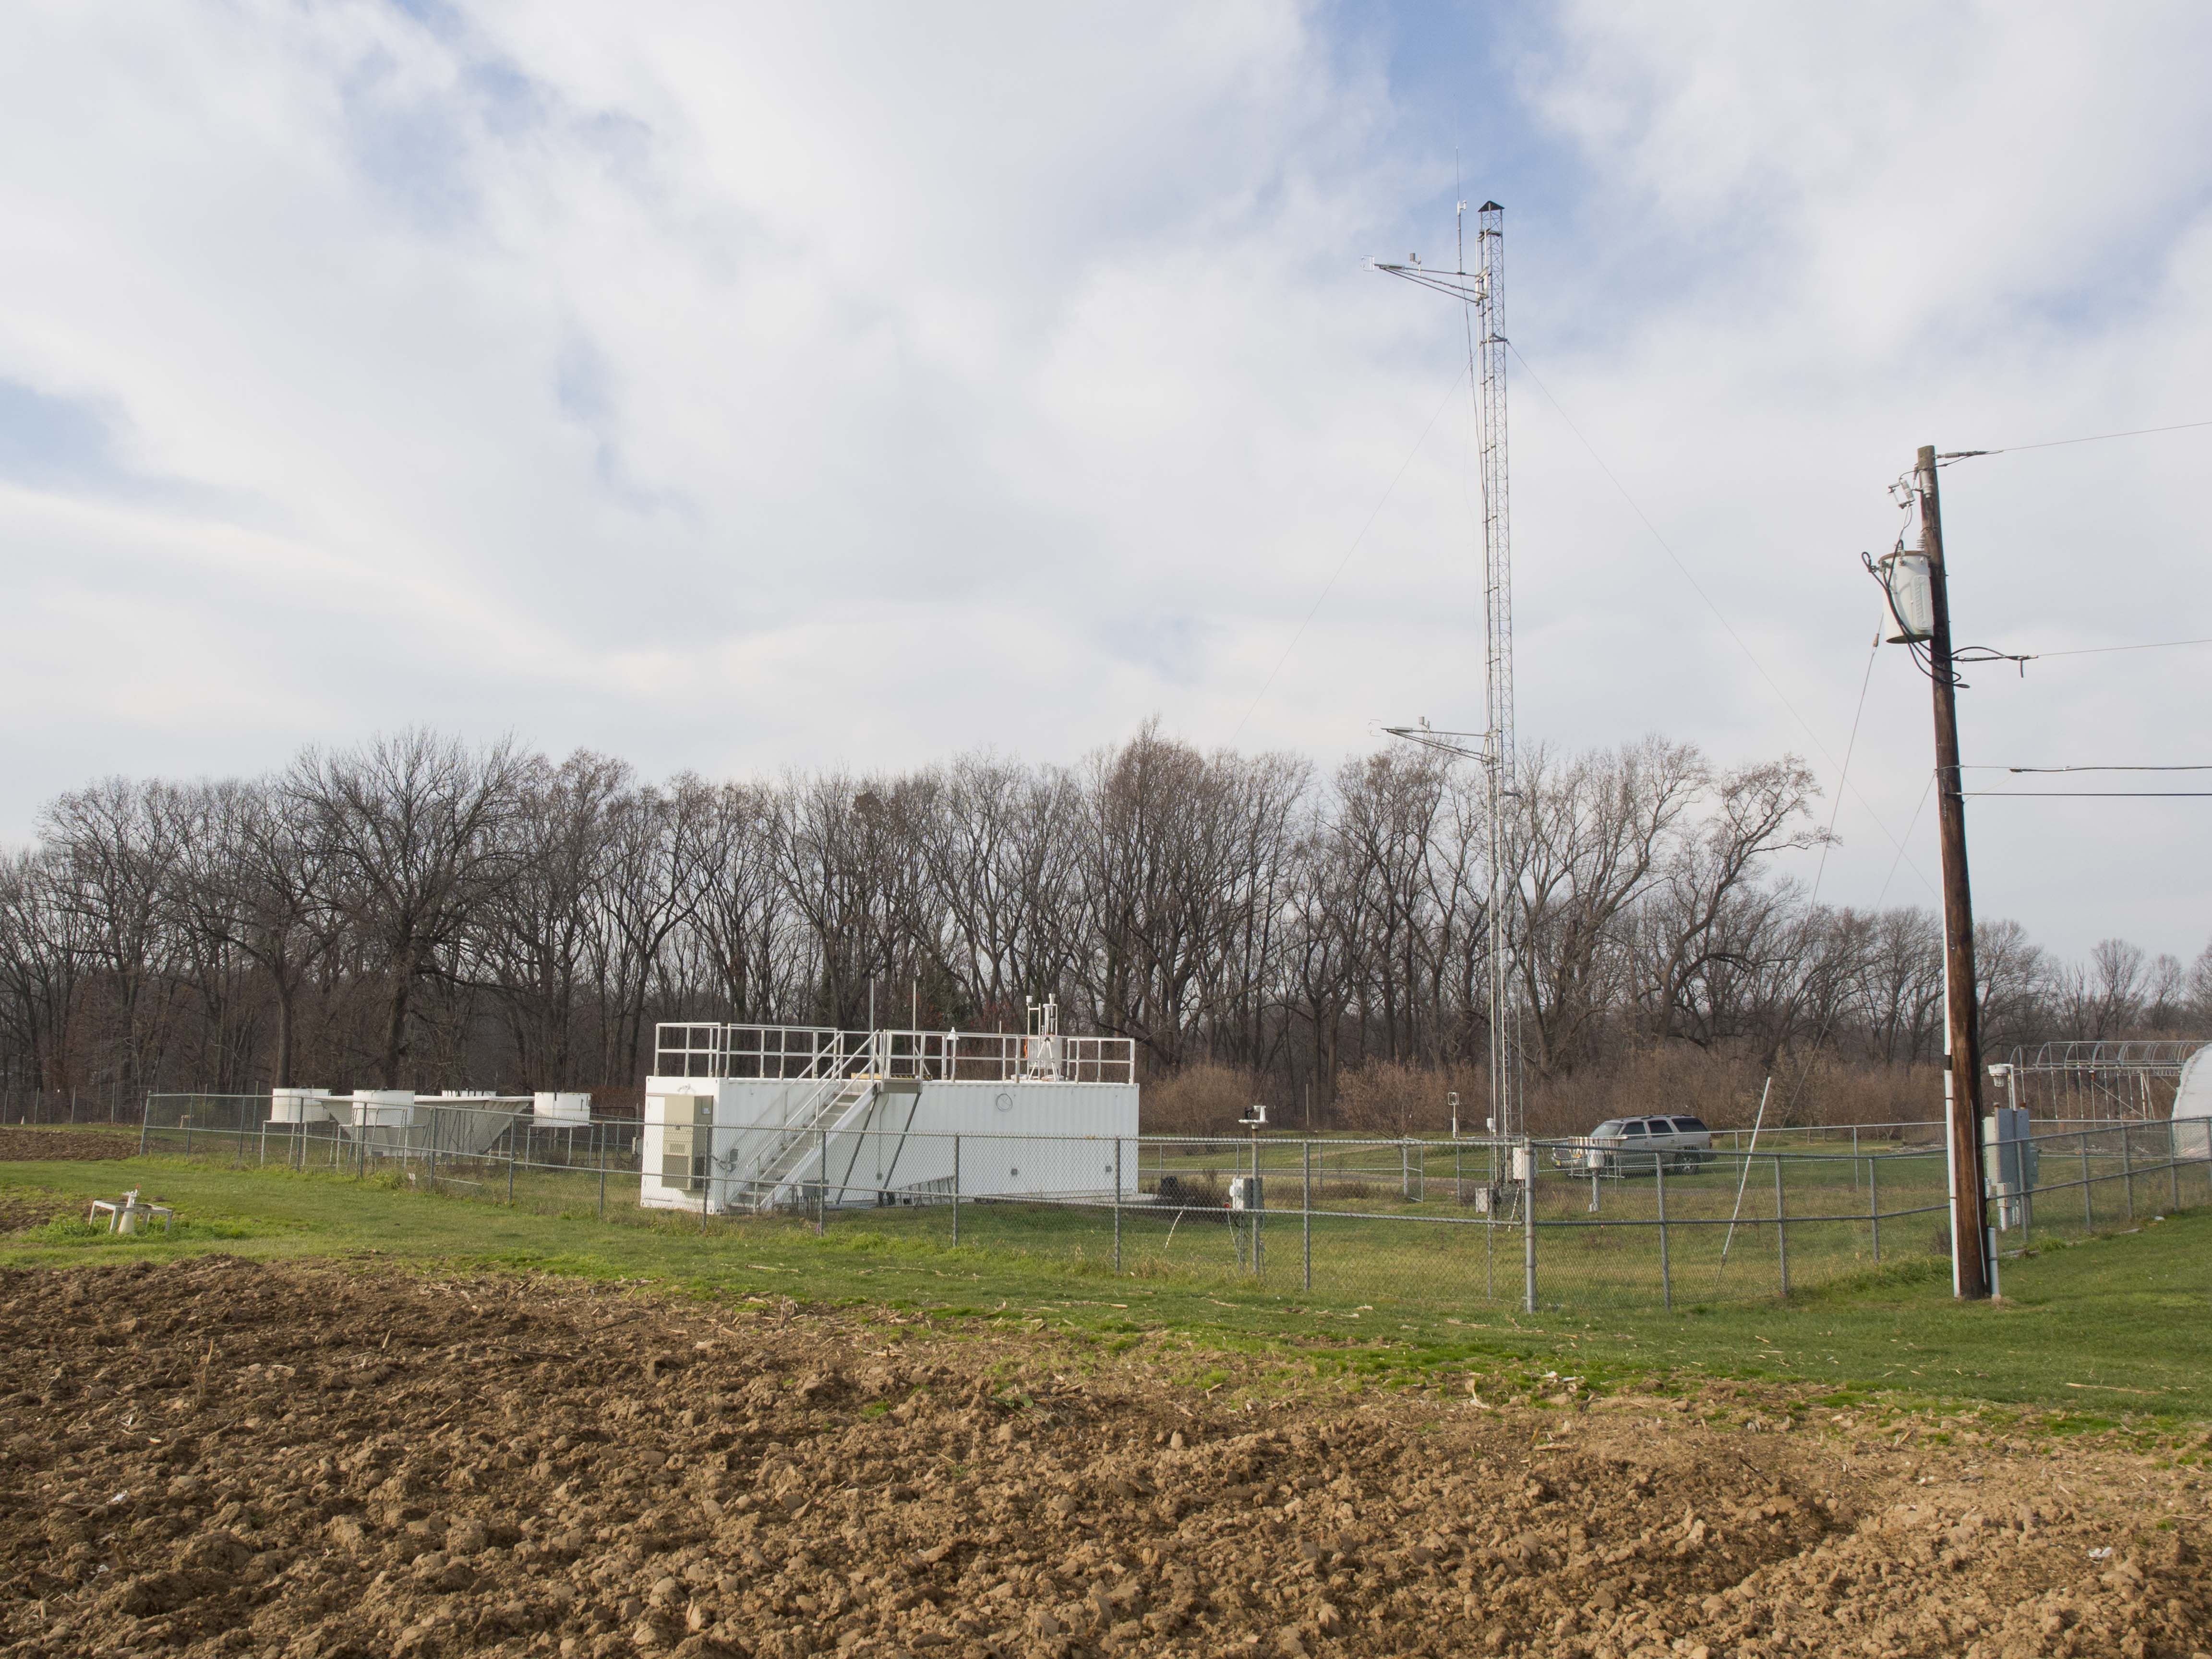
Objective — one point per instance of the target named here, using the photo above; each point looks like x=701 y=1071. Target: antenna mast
x=1481 y=294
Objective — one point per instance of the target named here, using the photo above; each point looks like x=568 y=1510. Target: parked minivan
x=1635 y=1145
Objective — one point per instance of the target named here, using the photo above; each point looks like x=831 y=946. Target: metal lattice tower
x=1481 y=294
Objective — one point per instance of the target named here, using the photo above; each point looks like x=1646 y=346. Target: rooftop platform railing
x=796 y=1053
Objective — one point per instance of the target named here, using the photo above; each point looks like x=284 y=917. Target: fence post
x=2128 y=1169
x=1528 y=1232
x=1781 y=1232
x=145 y=1121
x=1873 y=1212
x=821 y=1190
x=1665 y=1270
x=1117 y=1205
x=955 y=1192
x=1258 y=1212
x=2172 y=1165
x=603 y=1171
x=1305 y=1214
x=2088 y=1204
x=512 y=1128
x=1489 y=1232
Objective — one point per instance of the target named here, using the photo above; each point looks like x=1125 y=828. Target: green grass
x=2105 y=1329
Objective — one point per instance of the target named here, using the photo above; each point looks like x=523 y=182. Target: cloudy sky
x=738 y=388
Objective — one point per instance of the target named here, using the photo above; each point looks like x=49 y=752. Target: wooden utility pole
x=1962 y=1038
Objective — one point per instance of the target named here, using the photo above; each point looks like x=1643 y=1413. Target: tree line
x=421 y=911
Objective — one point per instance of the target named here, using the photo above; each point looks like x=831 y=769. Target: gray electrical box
x=2009 y=1162
x=687 y=1140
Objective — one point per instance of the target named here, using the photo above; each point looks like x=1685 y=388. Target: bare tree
x=2012 y=981
x=999 y=844
x=667 y=849
x=1909 y=984
x=1710 y=909
x=2103 y=996
x=746 y=952
x=416 y=832
x=44 y=946
x=536 y=938
x=841 y=847
x=417 y=907
x=118 y=851
x=2199 y=989
x=1590 y=838
x=1184 y=859
x=251 y=880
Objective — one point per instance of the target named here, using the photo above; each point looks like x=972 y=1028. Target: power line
x=1727 y=626
x=2058 y=443
x=1927 y=790
x=2087 y=769
x=2098 y=650
x=1812 y=905
x=2090 y=795
x=1836 y=811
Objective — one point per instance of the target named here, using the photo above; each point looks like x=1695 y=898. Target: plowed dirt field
x=19 y=1145
x=215 y=1457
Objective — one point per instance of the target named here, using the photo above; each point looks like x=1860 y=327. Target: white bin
x=561 y=1108
x=383 y=1108
x=300 y=1106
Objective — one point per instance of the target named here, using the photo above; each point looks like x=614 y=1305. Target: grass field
x=2112 y=1327
x=1360 y=1220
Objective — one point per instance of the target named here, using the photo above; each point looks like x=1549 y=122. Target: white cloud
x=1873 y=228
x=736 y=389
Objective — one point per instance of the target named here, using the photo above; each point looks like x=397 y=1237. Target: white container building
x=752 y=1117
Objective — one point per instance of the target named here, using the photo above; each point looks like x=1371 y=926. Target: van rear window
x=1689 y=1126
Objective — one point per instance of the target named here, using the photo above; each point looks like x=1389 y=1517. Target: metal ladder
x=775 y=1177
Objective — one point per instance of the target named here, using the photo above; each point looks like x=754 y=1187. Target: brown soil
x=215 y=1457
x=22 y=1146
x=20 y=1211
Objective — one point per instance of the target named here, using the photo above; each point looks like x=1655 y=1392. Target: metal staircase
x=773 y=1177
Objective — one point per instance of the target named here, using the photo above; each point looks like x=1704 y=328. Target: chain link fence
x=475 y=1151
x=107 y=1104
x=1433 y=1222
